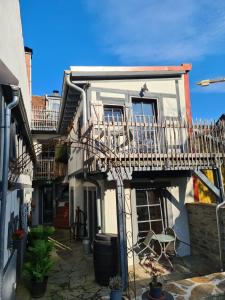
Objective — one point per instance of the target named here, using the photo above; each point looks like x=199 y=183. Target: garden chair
x=171 y=248
x=147 y=247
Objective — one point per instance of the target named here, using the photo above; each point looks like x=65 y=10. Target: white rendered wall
x=12 y=47
x=12 y=205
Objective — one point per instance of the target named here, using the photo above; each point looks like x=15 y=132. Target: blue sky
x=63 y=33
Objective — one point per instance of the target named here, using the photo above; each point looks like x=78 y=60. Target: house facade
x=17 y=153
x=116 y=98
x=134 y=150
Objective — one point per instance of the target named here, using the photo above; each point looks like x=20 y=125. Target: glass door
x=144 y=117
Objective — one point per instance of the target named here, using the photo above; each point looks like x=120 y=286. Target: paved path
x=72 y=276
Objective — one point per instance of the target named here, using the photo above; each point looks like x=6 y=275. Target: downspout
x=221 y=188
x=7 y=116
x=83 y=93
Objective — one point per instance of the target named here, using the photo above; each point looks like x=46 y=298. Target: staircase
x=62 y=217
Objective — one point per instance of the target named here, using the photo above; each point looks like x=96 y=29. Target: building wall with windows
x=147 y=99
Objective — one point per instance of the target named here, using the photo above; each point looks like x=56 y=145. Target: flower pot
x=38 y=288
x=116 y=294
x=156 y=291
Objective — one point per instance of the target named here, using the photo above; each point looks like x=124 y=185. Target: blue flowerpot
x=116 y=294
x=156 y=292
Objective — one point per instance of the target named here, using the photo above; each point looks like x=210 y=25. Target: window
x=113 y=114
x=150 y=212
x=143 y=109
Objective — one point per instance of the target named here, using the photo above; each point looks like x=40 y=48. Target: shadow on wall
x=181 y=225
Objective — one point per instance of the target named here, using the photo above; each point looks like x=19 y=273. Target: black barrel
x=105 y=257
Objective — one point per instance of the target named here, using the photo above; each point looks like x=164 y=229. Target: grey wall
x=203 y=230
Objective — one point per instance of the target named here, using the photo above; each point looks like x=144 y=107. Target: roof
x=108 y=72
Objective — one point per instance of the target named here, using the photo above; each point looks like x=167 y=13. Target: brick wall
x=203 y=230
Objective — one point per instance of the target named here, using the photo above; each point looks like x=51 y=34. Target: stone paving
x=73 y=277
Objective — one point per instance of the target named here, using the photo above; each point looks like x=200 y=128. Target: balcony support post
x=118 y=175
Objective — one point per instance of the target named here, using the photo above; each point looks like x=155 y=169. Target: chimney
x=55 y=93
x=28 y=58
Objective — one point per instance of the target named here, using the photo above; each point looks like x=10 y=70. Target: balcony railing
x=49 y=169
x=44 y=169
x=149 y=145
x=44 y=119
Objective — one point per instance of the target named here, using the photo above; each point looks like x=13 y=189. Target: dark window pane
x=141 y=198
x=144 y=226
x=113 y=114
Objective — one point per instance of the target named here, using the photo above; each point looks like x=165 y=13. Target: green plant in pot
x=38 y=266
x=115 y=284
x=41 y=232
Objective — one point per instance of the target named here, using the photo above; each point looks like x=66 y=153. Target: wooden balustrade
x=171 y=144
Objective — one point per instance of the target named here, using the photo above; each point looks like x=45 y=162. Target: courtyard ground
x=73 y=277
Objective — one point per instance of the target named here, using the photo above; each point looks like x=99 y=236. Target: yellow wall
x=205 y=196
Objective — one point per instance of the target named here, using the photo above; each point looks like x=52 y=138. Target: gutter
x=221 y=188
x=6 y=130
x=68 y=83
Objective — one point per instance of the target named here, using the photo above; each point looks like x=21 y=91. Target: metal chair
x=146 y=247
x=170 y=248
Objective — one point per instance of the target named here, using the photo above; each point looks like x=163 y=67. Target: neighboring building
x=15 y=162
x=134 y=149
x=49 y=182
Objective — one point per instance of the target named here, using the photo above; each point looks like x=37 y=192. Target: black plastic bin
x=105 y=252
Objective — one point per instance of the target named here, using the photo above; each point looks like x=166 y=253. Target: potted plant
x=17 y=237
x=115 y=284
x=155 y=286
x=39 y=265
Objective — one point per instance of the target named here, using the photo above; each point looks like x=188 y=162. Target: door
x=144 y=116
x=90 y=208
x=47 y=204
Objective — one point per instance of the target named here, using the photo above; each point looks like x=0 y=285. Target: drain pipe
x=7 y=116
x=221 y=188
x=79 y=89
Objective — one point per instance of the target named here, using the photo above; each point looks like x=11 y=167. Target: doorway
x=90 y=209
x=47 y=203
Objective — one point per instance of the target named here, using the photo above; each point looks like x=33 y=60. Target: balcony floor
x=73 y=276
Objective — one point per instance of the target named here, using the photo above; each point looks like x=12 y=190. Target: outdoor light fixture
x=206 y=82
x=143 y=90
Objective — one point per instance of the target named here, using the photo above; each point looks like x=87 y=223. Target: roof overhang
x=19 y=112
x=6 y=76
x=68 y=106
x=108 y=72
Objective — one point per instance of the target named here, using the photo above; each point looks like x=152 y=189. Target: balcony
x=150 y=145
x=44 y=119
x=44 y=169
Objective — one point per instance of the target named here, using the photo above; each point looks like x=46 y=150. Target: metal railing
x=170 y=144
x=44 y=169
x=44 y=119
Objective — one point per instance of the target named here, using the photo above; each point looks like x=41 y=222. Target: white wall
x=13 y=205
x=12 y=47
